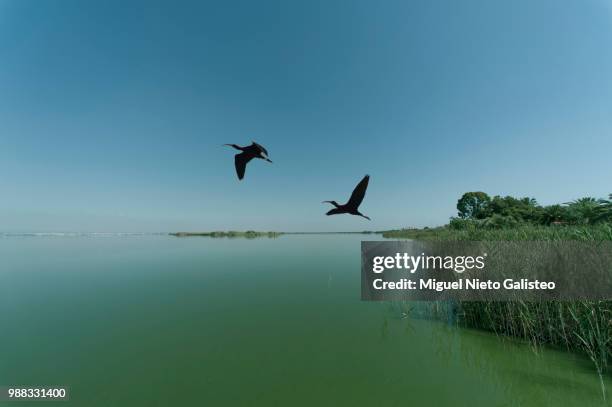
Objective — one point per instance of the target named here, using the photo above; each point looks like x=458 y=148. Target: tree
x=584 y=210
x=605 y=210
x=521 y=209
x=555 y=213
x=473 y=205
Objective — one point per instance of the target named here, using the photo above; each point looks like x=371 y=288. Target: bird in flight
x=352 y=206
x=248 y=153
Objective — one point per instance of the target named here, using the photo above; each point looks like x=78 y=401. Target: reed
x=578 y=326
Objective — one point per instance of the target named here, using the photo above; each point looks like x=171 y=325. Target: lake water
x=161 y=321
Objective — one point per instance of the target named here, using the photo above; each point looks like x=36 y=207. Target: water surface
x=160 y=320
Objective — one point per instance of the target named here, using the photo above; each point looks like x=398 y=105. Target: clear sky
x=112 y=113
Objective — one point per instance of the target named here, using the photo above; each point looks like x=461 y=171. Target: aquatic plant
x=578 y=326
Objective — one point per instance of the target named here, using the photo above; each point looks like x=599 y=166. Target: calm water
x=160 y=321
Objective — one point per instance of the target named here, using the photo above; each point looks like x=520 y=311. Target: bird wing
x=358 y=193
x=335 y=211
x=261 y=148
x=240 y=161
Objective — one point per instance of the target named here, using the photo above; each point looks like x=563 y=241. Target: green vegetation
x=249 y=234
x=580 y=326
x=599 y=232
x=479 y=209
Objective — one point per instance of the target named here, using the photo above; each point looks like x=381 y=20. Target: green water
x=161 y=321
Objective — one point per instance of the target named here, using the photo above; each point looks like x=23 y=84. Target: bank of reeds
x=596 y=232
x=578 y=326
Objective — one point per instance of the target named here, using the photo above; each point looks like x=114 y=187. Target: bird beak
x=268 y=160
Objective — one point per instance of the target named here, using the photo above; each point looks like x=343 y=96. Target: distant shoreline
x=251 y=234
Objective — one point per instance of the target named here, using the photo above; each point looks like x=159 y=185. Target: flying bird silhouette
x=352 y=206
x=248 y=153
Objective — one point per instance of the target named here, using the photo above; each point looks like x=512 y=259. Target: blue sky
x=112 y=114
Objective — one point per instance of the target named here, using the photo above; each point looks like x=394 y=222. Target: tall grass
x=598 y=232
x=578 y=326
